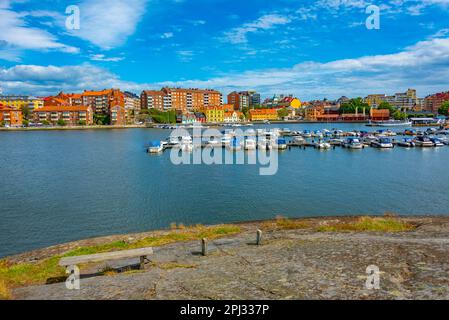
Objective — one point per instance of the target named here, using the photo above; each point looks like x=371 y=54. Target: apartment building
x=18 y=102
x=180 y=99
x=71 y=115
x=10 y=116
x=214 y=114
x=244 y=99
x=433 y=102
x=263 y=114
x=403 y=100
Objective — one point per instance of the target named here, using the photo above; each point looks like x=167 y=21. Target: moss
x=22 y=274
x=387 y=224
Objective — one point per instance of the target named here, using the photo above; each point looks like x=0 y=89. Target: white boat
x=406 y=143
x=336 y=141
x=262 y=144
x=155 y=147
x=353 y=143
x=437 y=142
x=250 y=144
x=423 y=142
x=226 y=139
x=298 y=140
x=187 y=143
x=383 y=143
x=390 y=123
x=322 y=145
x=306 y=134
x=236 y=144
x=317 y=134
x=278 y=144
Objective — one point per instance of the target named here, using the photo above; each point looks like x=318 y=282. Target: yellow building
x=19 y=102
x=374 y=100
x=263 y=114
x=296 y=103
x=214 y=114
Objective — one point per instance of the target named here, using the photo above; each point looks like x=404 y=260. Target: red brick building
x=71 y=115
x=433 y=102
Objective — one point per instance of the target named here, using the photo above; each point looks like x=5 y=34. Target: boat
x=336 y=141
x=306 y=134
x=383 y=143
x=286 y=132
x=338 y=133
x=187 y=143
x=299 y=141
x=235 y=145
x=279 y=144
x=321 y=144
x=155 y=147
x=317 y=134
x=262 y=144
x=226 y=139
x=445 y=140
x=389 y=123
x=250 y=144
x=407 y=143
x=410 y=132
x=353 y=143
x=423 y=142
x=436 y=142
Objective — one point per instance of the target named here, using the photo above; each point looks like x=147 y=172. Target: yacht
x=437 y=142
x=155 y=147
x=321 y=144
x=353 y=143
x=407 y=143
x=250 y=144
x=423 y=142
x=383 y=143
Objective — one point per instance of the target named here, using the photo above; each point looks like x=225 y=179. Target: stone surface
x=290 y=264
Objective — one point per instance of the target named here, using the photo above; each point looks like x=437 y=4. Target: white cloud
x=424 y=66
x=109 y=24
x=102 y=57
x=16 y=35
x=167 y=35
x=266 y=22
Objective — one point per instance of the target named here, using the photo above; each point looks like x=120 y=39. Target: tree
x=354 y=105
x=386 y=105
x=282 y=113
x=45 y=122
x=25 y=112
x=101 y=119
x=444 y=109
x=82 y=123
x=398 y=115
x=60 y=123
x=25 y=122
x=2 y=123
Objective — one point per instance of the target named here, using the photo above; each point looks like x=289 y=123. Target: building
x=403 y=100
x=263 y=114
x=71 y=115
x=379 y=114
x=233 y=116
x=374 y=100
x=180 y=99
x=244 y=99
x=214 y=114
x=18 y=102
x=132 y=106
x=433 y=102
x=10 y=116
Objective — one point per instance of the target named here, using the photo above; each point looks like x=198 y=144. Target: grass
x=48 y=270
x=5 y=294
x=386 y=224
x=283 y=223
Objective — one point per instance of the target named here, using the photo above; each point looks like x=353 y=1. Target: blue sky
x=312 y=49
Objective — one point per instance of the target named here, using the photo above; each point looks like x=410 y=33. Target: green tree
x=398 y=115
x=354 y=105
x=25 y=112
x=61 y=123
x=2 y=124
x=386 y=105
x=101 y=119
x=25 y=122
x=444 y=109
x=82 y=123
x=282 y=113
x=45 y=122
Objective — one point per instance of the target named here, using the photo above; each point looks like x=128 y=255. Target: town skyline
x=283 y=47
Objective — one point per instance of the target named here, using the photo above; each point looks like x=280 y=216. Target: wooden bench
x=98 y=257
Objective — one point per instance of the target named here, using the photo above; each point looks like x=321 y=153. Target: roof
x=61 y=108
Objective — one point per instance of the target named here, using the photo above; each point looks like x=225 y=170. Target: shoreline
x=45 y=252
x=307 y=258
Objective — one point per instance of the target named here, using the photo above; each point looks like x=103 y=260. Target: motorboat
x=250 y=144
x=317 y=134
x=155 y=147
x=226 y=139
x=436 y=142
x=286 y=132
x=353 y=143
x=279 y=144
x=306 y=134
x=406 y=143
x=423 y=142
x=321 y=144
x=383 y=143
x=336 y=141
x=298 y=140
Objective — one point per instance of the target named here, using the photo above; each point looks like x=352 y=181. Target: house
x=233 y=117
x=10 y=116
x=214 y=114
x=71 y=115
x=263 y=114
x=200 y=117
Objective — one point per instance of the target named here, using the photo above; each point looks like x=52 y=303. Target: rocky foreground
x=290 y=264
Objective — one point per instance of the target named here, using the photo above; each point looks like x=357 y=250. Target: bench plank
x=98 y=257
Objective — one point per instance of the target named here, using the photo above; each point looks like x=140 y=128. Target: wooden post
x=142 y=262
x=259 y=237
x=204 y=247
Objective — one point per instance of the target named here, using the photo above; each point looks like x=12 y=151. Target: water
x=59 y=186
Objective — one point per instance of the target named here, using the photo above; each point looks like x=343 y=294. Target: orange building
x=10 y=116
x=379 y=114
x=180 y=99
x=263 y=114
x=71 y=115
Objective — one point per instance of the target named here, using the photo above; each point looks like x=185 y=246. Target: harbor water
x=59 y=186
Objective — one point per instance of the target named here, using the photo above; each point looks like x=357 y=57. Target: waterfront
x=59 y=186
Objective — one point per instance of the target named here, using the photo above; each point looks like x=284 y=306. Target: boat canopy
x=154 y=144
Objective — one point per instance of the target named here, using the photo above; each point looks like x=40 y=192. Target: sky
x=311 y=49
